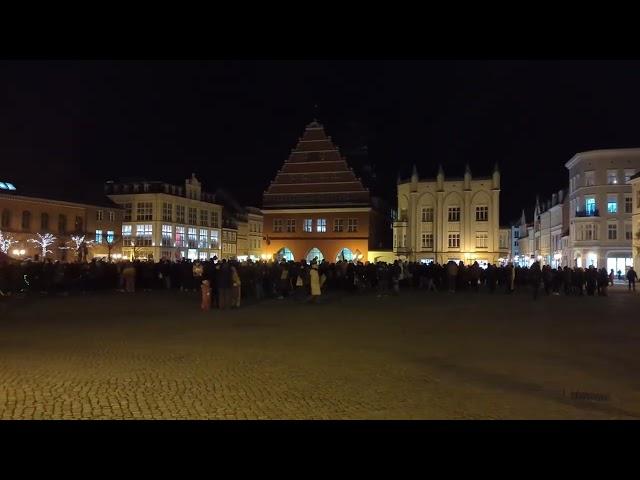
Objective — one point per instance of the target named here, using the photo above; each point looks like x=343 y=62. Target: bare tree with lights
x=43 y=241
x=81 y=246
x=5 y=242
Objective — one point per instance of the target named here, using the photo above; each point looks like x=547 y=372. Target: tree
x=81 y=246
x=43 y=241
x=5 y=242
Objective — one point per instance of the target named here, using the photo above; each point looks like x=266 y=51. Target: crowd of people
x=226 y=283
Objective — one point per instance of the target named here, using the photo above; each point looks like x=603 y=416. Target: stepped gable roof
x=315 y=175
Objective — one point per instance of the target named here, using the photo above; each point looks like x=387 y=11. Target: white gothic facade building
x=450 y=219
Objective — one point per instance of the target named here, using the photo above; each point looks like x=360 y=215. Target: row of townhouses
x=591 y=221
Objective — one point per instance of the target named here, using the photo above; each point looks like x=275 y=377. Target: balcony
x=587 y=213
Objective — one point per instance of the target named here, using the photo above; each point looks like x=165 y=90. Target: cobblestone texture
x=419 y=356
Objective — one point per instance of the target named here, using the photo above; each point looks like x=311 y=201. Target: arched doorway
x=284 y=254
x=345 y=255
x=314 y=254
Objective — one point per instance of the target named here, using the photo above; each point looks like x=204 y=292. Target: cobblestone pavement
x=418 y=356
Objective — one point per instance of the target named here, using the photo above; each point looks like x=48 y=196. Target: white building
x=454 y=219
x=167 y=221
x=546 y=238
x=601 y=206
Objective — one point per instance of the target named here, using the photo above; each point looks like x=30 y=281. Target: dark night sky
x=234 y=122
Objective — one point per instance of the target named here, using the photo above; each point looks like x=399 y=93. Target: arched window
x=345 y=255
x=26 y=220
x=314 y=254
x=44 y=221
x=6 y=218
x=284 y=254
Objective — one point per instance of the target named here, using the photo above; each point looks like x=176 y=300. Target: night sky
x=233 y=123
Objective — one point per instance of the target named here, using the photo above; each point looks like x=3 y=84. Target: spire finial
x=414 y=172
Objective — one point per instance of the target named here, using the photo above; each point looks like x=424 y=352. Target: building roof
x=603 y=153
x=315 y=175
x=84 y=195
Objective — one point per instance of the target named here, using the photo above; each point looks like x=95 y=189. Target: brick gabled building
x=316 y=206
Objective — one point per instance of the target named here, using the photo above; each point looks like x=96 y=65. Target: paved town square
x=416 y=356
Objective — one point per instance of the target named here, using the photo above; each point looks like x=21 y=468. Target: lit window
x=454 y=214
x=427 y=214
x=338 y=225
x=454 y=240
x=307 y=225
x=98 y=236
x=167 y=236
x=192 y=237
x=126 y=234
x=482 y=214
x=143 y=235
x=482 y=238
x=628 y=174
x=180 y=240
x=110 y=236
x=215 y=240
x=590 y=205
x=612 y=203
x=427 y=240
x=321 y=225
x=352 y=225
x=204 y=239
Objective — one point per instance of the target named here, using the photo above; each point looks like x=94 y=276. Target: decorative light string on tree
x=5 y=242
x=43 y=241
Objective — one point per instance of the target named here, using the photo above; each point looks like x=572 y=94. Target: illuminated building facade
x=168 y=221
x=316 y=208
x=24 y=215
x=601 y=208
x=450 y=219
x=546 y=238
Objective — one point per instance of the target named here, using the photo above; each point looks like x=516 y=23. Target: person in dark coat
x=224 y=285
x=632 y=276
x=535 y=275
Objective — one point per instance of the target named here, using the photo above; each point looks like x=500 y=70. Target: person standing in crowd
x=611 y=277
x=603 y=282
x=314 y=281
x=129 y=276
x=535 y=275
x=632 y=276
x=197 y=272
x=235 y=286
x=224 y=285
x=452 y=272
x=205 y=303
